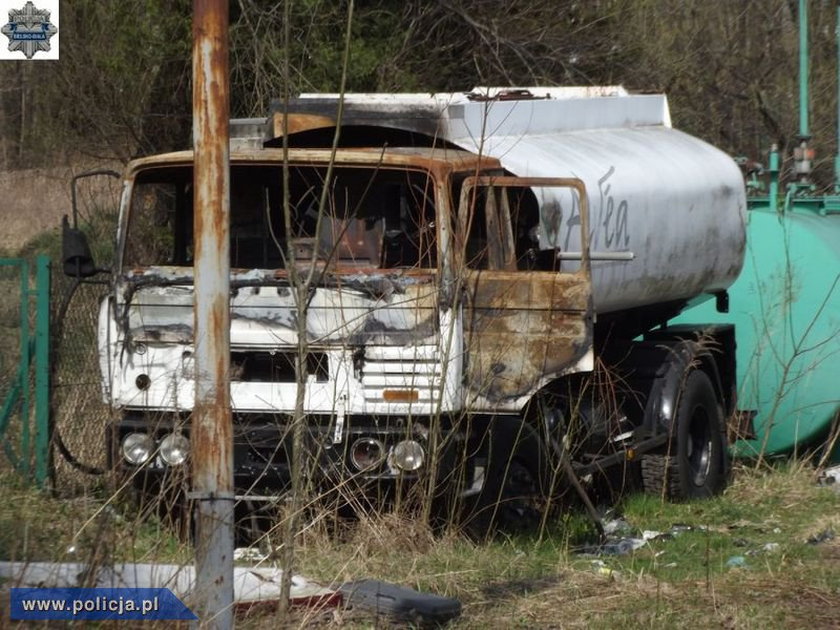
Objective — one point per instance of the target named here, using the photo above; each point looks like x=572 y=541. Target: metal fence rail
x=24 y=414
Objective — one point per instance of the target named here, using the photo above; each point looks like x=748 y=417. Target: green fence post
x=25 y=356
x=42 y=371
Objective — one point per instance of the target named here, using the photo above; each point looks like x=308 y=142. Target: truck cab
x=429 y=305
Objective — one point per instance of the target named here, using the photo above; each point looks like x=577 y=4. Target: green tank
x=786 y=303
x=786 y=309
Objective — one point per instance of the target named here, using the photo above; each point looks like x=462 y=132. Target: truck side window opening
x=151 y=236
x=501 y=226
x=474 y=225
x=525 y=222
x=372 y=217
x=251 y=242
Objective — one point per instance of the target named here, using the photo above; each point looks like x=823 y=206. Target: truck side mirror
x=75 y=252
x=76 y=258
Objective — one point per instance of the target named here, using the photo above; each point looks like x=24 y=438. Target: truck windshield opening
x=379 y=218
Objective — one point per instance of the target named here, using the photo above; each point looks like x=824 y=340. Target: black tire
x=512 y=499
x=696 y=462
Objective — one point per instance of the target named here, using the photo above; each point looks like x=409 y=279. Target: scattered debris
x=680 y=528
x=830 y=477
x=399 y=603
x=771 y=547
x=824 y=536
x=617 y=527
x=737 y=562
x=619 y=540
x=249 y=554
x=602 y=569
x=620 y=547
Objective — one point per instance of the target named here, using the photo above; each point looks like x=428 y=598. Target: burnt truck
x=492 y=275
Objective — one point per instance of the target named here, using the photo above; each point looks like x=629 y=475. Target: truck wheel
x=696 y=463
x=512 y=499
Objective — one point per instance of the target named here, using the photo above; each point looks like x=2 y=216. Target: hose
x=55 y=434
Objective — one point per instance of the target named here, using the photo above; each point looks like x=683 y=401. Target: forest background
x=122 y=86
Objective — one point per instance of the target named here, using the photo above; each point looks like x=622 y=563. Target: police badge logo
x=29 y=30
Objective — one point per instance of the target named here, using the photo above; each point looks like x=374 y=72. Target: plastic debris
x=830 y=477
x=770 y=547
x=737 y=562
x=616 y=526
x=678 y=529
x=249 y=554
x=823 y=536
x=621 y=547
x=620 y=540
x=599 y=567
x=400 y=603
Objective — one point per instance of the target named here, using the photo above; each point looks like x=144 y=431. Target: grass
x=521 y=582
x=683 y=581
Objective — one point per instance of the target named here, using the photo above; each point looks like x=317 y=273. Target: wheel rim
x=699 y=446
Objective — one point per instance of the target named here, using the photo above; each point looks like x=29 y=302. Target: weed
x=525 y=580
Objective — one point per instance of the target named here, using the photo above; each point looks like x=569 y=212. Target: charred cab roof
x=439 y=160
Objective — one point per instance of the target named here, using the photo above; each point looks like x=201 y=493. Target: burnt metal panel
x=522 y=328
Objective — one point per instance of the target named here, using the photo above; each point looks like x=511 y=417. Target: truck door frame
x=522 y=328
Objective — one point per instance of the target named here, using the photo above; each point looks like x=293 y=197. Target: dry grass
x=522 y=582
x=39 y=199
x=36 y=200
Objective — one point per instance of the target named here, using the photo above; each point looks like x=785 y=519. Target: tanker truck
x=491 y=274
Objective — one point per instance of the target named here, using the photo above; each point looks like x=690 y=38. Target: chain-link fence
x=10 y=346
x=79 y=413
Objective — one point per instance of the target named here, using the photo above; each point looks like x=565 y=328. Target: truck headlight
x=137 y=448
x=366 y=453
x=174 y=449
x=408 y=455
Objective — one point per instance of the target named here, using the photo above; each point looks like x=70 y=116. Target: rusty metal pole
x=212 y=431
